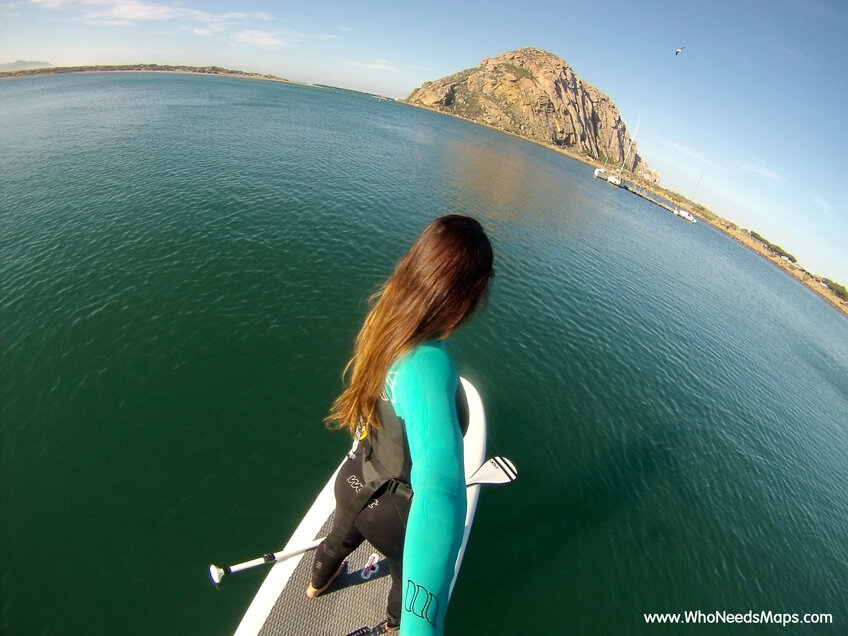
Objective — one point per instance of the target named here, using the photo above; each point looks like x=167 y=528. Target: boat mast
x=627 y=154
x=698 y=185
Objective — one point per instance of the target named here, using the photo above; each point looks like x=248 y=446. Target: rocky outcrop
x=536 y=95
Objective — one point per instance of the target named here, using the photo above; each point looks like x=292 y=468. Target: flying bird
x=680 y=50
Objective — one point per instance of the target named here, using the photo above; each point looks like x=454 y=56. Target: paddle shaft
x=273 y=557
x=498 y=470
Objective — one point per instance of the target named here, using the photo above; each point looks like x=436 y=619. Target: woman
x=402 y=404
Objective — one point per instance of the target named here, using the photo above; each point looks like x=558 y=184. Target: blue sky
x=749 y=119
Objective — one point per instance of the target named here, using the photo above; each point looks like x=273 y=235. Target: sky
x=749 y=120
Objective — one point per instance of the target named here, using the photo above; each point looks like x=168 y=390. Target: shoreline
x=812 y=281
x=143 y=68
x=728 y=228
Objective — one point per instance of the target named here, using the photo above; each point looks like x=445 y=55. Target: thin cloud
x=260 y=39
x=197 y=22
x=793 y=54
x=10 y=10
x=376 y=65
x=295 y=38
x=124 y=12
x=209 y=30
x=760 y=170
x=318 y=36
x=690 y=152
x=822 y=203
x=52 y=4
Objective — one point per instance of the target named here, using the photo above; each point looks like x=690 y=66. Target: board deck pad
x=350 y=601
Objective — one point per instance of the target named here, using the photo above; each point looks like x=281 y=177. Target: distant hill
x=536 y=95
x=21 y=65
x=105 y=68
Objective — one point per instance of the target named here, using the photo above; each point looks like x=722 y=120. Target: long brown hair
x=436 y=285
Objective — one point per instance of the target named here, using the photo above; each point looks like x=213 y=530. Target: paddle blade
x=497 y=470
x=216 y=574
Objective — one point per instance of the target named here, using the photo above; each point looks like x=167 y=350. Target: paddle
x=497 y=470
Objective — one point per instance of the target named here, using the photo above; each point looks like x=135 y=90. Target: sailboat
x=601 y=173
x=616 y=179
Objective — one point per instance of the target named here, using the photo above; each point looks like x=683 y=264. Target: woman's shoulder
x=429 y=357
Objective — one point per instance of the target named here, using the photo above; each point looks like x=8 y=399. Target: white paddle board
x=358 y=595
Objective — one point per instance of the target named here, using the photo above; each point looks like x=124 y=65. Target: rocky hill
x=536 y=95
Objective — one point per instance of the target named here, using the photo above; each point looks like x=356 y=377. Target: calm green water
x=185 y=262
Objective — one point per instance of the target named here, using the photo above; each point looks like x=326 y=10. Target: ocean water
x=185 y=263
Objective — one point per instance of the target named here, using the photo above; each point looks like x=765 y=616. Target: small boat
x=684 y=214
x=615 y=179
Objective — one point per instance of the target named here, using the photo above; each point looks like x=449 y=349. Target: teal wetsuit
x=422 y=388
x=420 y=538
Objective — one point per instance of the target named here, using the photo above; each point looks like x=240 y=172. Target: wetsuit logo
x=421 y=602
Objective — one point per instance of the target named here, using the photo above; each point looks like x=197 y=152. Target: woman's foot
x=311 y=592
x=385 y=628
